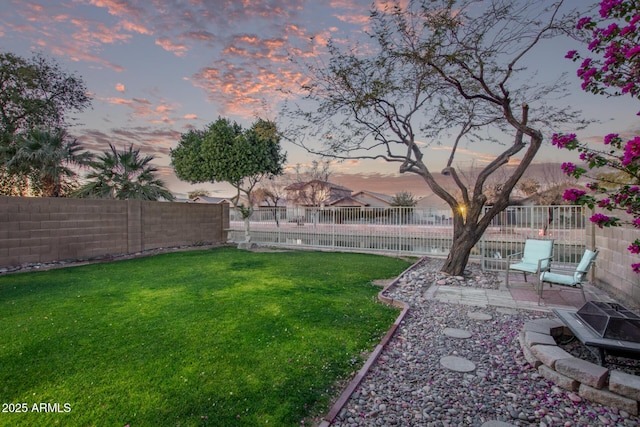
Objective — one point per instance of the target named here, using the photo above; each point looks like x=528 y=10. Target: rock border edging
x=590 y=381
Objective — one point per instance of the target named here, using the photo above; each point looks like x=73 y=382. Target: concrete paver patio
x=519 y=295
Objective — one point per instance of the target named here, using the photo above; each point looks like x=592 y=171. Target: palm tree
x=123 y=175
x=47 y=158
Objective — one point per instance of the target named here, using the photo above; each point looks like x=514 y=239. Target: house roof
x=347 y=202
x=301 y=185
x=382 y=197
x=432 y=201
x=213 y=200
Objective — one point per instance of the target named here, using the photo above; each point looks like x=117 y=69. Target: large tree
x=437 y=66
x=34 y=93
x=225 y=152
x=123 y=175
x=48 y=159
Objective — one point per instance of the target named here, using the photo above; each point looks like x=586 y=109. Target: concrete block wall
x=38 y=230
x=613 y=267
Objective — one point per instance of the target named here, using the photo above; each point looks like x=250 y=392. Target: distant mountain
x=547 y=174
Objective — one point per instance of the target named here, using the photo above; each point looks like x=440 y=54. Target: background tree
x=123 y=175
x=406 y=202
x=528 y=186
x=198 y=193
x=34 y=93
x=404 y=199
x=613 y=69
x=48 y=159
x=439 y=65
x=225 y=152
x=614 y=180
x=310 y=186
x=271 y=192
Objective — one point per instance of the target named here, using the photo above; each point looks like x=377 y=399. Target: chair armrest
x=540 y=264
x=564 y=269
x=514 y=255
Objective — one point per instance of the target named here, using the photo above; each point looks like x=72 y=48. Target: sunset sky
x=156 y=68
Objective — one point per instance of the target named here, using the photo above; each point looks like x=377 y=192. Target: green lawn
x=214 y=337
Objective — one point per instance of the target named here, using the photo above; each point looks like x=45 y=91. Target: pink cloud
x=136 y=28
x=74 y=54
x=177 y=49
x=362 y=20
x=245 y=89
x=117 y=7
x=199 y=35
x=145 y=109
x=94 y=33
x=120 y=87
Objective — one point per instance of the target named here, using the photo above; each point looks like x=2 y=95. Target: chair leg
x=540 y=287
x=584 y=297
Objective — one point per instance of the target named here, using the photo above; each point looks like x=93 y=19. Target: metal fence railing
x=413 y=231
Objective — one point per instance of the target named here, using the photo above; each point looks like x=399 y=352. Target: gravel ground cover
x=408 y=386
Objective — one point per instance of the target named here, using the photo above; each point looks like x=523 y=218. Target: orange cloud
x=120 y=87
x=90 y=33
x=362 y=20
x=136 y=28
x=175 y=48
x=245 y=89
x=116 y=7
x=143 y=108
x=75 y=54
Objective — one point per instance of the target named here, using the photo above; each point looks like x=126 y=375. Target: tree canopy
x=35 y=95
x=225 y=152
x=123 y=175
x=36 y=92
x=404 y=199
x=437 y=66
x=47 y=159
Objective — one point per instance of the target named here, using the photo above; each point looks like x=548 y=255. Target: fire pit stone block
x=553 y=327
x=583 y=371
x=625 y=384
x=549 y=354
x=534 y=338
x=608 y=398
x=526 y=352
x=558 y=379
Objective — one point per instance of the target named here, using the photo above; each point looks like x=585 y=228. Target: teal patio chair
x=574 y=280
x=534 y=259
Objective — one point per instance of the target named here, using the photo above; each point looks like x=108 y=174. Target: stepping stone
x=476 y=315
x=506 y=310
x=457 y=364
x=457 y=333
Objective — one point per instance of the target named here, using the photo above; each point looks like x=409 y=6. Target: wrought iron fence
x=565 y=225
x=413 y=231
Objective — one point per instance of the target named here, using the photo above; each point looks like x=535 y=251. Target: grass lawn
x=216 y=337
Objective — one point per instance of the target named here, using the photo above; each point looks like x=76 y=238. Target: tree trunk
x=460 y=250
x=247 y=230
